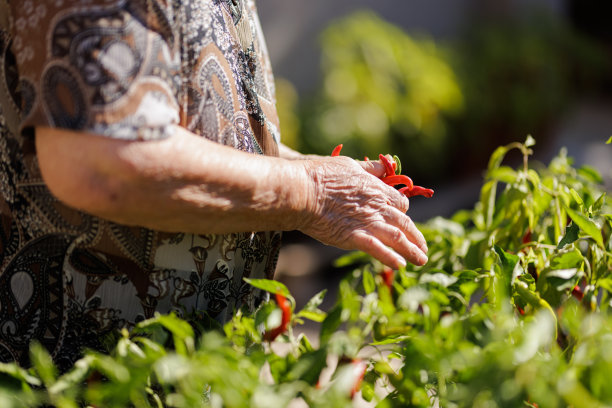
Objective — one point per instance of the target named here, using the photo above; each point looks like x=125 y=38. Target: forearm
x=188 y=184
x=184 y=183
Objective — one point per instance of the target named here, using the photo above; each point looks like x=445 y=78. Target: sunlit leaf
x=577 y=197
x=586 y=225
x=503 y=173
x=571 y=235
x=43 y=364
x=497 y=157
x=269 y=285
x=590 y=173
x=369 y=284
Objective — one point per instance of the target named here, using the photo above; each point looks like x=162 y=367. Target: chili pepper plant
x=512 y=310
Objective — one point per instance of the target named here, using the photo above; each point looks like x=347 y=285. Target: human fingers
x=374 y=167
x=371 y=245
x=397 y=240
x=405 y=224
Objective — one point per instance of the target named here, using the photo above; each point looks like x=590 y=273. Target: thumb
x=374 y=167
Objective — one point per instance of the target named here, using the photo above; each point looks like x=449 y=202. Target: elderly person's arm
x=186 y=183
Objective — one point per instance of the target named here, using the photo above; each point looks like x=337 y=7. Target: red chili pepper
x=526 y=237
x=398 y=179
x=285 y=307
x=359 y=369
x=336 y=151
x=578 y=293
x=365 y=158
x=521 y=311
x=416 y=190
x=388 y=276
x=389 y=170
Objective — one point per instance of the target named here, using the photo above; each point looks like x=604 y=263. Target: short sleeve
x=106 y=67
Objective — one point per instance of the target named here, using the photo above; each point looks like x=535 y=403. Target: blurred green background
x=442 y=105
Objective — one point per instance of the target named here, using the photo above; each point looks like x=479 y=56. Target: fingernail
x=423 y=259
x=401 y=261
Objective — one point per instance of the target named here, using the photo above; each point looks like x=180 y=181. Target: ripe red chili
x=527 y=237
x=416 y=190
x=359 y=370
x=285 y=307
x=393 y=179
x=336 y=151
x=398 y=179
x=388 y=276
x=578 y=293
x=389 y=170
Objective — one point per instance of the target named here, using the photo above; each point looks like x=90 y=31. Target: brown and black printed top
x=128 y=69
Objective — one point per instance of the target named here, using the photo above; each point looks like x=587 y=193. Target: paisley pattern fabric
x=133 y=70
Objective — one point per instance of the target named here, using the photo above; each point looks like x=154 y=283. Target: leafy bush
x=384 y=91
x=511 y=310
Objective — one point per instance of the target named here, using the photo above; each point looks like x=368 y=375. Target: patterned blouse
x=125 y=69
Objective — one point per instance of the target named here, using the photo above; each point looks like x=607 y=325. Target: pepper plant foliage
x=512 y=309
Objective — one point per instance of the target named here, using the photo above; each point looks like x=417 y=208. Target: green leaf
x=330 y=324
x=497 y=157
x=487 y=198
x=352 y=258
x=315 y=301
x=504 y=173
x=369 y=284
x=311 y=310
x=591 y=174
x=571 y=235
x=560 y=279
x=586 y=225
x=567 y=260
x=43 y=363
x=314 y=315
x=577 y=197
x=534 y=177
x=269 y=285
x=309 y=366
x=13 y=370
x=599 y=203
x=178 y=327
x=74 y=377
x=605 y=283
x=609 y=140
x=508 y=261
x=441 y=279
x=399 y=165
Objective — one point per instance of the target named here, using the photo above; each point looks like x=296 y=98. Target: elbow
x=86 y=173
x=89 y=191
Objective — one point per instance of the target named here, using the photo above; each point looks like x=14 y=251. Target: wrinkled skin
x=351 y=208
x=201 y=186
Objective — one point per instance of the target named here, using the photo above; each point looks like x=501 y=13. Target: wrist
x=302 y=194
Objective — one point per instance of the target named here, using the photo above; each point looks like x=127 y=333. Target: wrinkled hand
x=350 y=208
